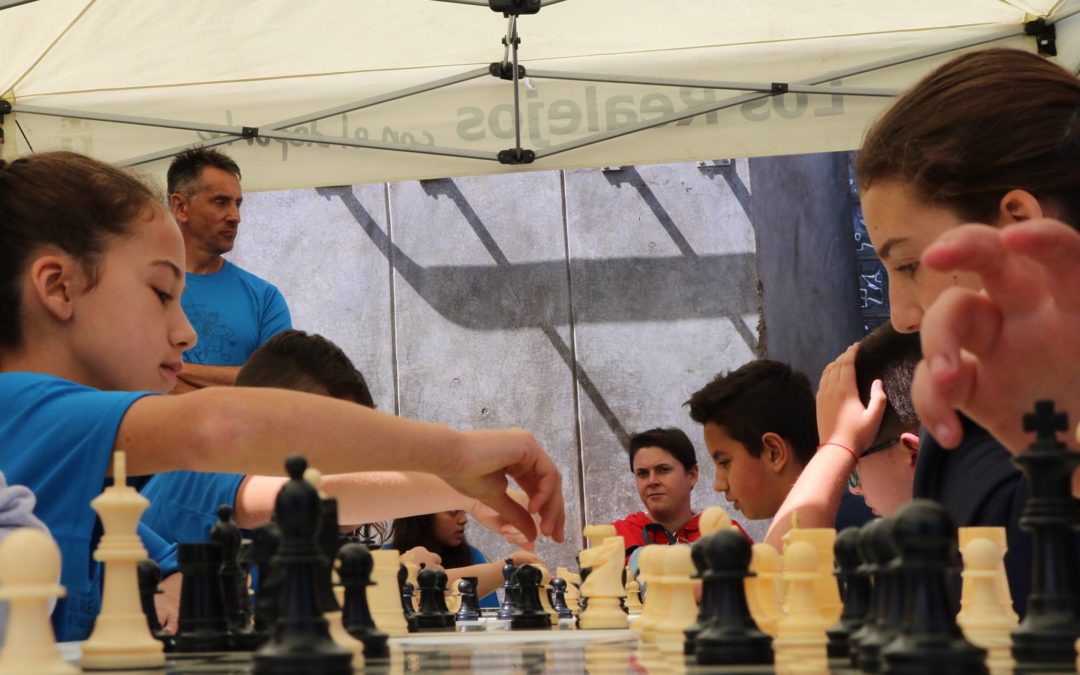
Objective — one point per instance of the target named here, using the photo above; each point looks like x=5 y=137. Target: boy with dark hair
x=865 y=413
x=760 y=430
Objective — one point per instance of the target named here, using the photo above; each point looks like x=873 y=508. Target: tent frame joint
x=779 y=87
x=1045 y=35
x=510 y=8
x=505 y=71
x=249 y=132
x=516 y=156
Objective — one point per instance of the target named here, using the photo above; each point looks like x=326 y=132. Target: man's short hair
x=891 y=357
x=760 y=397
x=187 y=166
x=293 y=359
x=673 y=440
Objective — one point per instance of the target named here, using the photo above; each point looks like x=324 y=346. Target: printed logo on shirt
x=216 y=339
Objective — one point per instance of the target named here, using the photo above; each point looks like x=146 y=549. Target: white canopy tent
x=329 y=92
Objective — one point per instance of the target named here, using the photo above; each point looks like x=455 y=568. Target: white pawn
x=682 y=608
x=800 y=645
x=713 y=519
x=762 y=595
x=29 y=568
x=121 y=638
x=986 y=618
x=648 y=568
x=384 y=598
x=633 y=594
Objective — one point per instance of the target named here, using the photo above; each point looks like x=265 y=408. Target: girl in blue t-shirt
x=443 y=534
x=91 y=272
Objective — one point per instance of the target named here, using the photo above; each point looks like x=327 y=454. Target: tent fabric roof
x=224 y=64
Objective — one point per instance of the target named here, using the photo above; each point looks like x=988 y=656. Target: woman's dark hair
x=672 y=440
x=983 y=124
x=420 y=531
x=64 y=201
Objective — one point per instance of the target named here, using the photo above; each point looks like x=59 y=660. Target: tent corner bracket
x=516 y=156
x=1045 y=36
x=515 y=7
x=505 y=71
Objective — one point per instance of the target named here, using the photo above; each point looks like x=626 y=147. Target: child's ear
x=775 y=451
x=53 y=281
x=1017 y=206
x=910 y=442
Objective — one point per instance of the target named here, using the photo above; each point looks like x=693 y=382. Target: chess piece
x=986 y=616
x=633 y=594
x=573 y=589
x=762 y=588
x=407 y=590
x=997 y=535
x=234 y=586
x=651 y=571
x=264 y=544
x=559 y=588
x=508 y=605
x=1046 y=638
x=708 y=600
x=682 y=608
x=149 y=578
x=470 y=605
x=202 y=626
x=713 y=519
x=441 y=582
x=301 y=640
x=121 y=638
x=926 y=538
x=729 y=635
x=800 y=635
x=603 y=588
x=336 y=622
x=596 y=534
x=29 y=568
x=546 y=595
x=530 y=614
x=890 y=613
x=355 y=565
x=868 y=570
x=856 y=585
x=384 y=595
x=430 y=616
x=823 y=540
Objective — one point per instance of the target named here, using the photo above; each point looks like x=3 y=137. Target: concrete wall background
x=582 y=305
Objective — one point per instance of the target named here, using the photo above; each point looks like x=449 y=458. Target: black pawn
x=509 y=604
x=441 y=582
x=202 y=626
x=301 y=640
x=708 y=598
x=430 y=617
x=558 y=599
x=407 y=591
x=730 y=636
x=855 y=588
x=530 y=613
x=867 y=570
x=889 y=584
x=1046 y=638
x=354 y=570
x=233 y=580
x=470 y=604
x=929 y=640
x=264 y=544
x=149 y=579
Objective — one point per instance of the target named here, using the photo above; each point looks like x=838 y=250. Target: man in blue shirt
x=232 y=310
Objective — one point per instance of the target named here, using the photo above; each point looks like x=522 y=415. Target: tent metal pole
x=329 y=112
x=746 y=98
x=381 y=145
x=8 y=4
x=126 y=119
x=763 y=87
x=517 y=88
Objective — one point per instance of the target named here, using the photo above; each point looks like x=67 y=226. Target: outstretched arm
x=246 y=430
x=843 y=423
x=489 y=574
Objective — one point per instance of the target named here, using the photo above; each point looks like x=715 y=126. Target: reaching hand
x=991 y=355
x=419 y=554
x=487 y=516
x=487 y=458
x=841 y=416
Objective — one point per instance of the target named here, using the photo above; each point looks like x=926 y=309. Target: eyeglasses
x=853 y=479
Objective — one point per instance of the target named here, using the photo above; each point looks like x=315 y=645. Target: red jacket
x=635 y=533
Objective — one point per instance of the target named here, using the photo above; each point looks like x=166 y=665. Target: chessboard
x=491 y=652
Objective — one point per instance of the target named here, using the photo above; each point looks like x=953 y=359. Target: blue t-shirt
x=233 y=312
x=57 y=438
x=476 y=557
x=183 y=504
